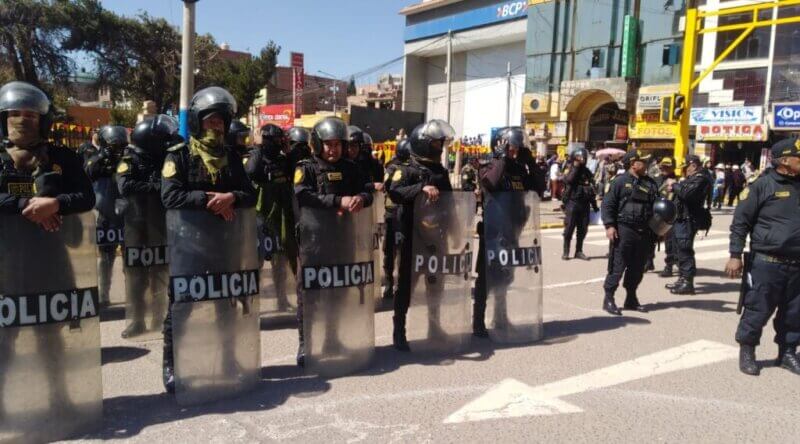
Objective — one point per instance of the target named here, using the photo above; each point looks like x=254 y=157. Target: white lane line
x=697 y=244
x=574 y=283
x=513 y=399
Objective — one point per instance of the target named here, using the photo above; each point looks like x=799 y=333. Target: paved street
x=668 y=375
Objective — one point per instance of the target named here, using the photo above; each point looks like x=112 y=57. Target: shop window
x=785 y=83
x=597 y=58
x=755 y=46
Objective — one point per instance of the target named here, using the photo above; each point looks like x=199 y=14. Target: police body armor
x=513 y=266
x=214 y=287
x=636 y=206
x=50 y=378
x=442 y=256
x=337 y=274
x=145 y=261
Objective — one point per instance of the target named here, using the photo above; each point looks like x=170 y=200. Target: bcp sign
x=786 y=116
x=511 y=9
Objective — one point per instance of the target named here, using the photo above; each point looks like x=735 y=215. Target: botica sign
x=732 y=132
x=742 y=115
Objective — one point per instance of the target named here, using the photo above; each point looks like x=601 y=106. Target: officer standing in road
x=690 y=197
x=238 y=138
x=769 y=213
x=204 y=174
x=101 y=168
x=329 y=181
x=664 y=182
x=359 y=150
x=268 y=168
x=299 y=146
x=393 y=237
x=423 y=174
x=504 y=173
x=627 y=209
x=469 y=175
x=579 y=197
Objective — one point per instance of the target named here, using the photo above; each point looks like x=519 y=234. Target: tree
x=351 y=87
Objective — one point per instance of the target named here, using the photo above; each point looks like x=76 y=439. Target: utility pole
x=508 y=94
x=449 y=78
x=334 y=88
x=187 y=66
x=687 y=74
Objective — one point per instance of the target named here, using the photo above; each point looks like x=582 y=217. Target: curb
x=551 y=225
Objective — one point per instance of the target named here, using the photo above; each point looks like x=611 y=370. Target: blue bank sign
x=786 y=116
x=501 y=12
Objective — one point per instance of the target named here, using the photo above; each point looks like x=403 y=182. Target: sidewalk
x=551 y=215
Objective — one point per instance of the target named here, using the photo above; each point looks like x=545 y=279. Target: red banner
x=281 y=115
x=299 y=81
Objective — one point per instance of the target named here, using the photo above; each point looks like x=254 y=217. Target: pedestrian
x=718 y=195
x=627 y=209
x=469 y=175
x=555 y=182
x=738 y=182
x=690 y=196
x=579 y=198
x=769 y=214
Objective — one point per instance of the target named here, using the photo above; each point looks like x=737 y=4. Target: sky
x=341 y=37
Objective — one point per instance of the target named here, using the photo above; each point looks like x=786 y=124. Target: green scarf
x=210 y=150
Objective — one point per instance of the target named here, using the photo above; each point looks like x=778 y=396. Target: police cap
x=786 y=147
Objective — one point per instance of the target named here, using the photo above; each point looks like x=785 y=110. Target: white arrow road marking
x=513 y=399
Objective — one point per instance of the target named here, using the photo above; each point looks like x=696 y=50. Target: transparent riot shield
x=512 y=266
x=50 y=380
x=439 y=313
x=337 y=274
x=278 y=284
x=214 y=287
x=109 y=236
x=145 y=259
x=379 y=208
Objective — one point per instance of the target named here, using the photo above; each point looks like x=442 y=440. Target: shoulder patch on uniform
x=398 y=174
x=123 y=167
x=744 y=194
x=783 y=194
x=628 y=185
x=177 y=147
x=169 y=169
x=298 y=175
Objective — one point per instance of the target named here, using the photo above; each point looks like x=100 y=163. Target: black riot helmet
x=155 y=134
x=403 y=150
x=579 y=152
x=664 y=214
x=329 y=128
x=211 y=100
x=511 y=136
x=113 y=136
x=355 y=136
x=22 y=96
x=368 y=144
x=235 y=130
x=272 y=138
x=425 y=134
x=298 y=134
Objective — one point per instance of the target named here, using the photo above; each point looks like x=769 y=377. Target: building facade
x=486 y=43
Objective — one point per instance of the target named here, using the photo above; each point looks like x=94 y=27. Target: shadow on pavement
x=126 y=416
x=568 y=329
x=115 y=355
x=715 y=305
x=711 y=288
x=113 y=313
x=279 y=322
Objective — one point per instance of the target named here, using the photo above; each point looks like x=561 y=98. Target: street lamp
x=334 y=87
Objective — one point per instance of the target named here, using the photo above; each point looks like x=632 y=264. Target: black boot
x=135 y=329
x=787 y=358
x=399 y=335
x=610 y=306
x=632 y=303
x=666 y=272
x=675 y=284
x=565 y=256
x=479 y=326
x=581 y=256
x=650 y=266
x=169 y=378
x=686 y=287
x=301 y=355
x=747 y=360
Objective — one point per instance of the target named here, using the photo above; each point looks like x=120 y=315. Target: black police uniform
x=370 y=167
x=669 y=245
x=269 y=170
x=185 y=182
x=469 y=178
x=690 y=196
x=502 y=174
x=393 y=235
x=321 y=184
x=408 y=181
x=769 y=212
x=628 y=206
x=579 y=198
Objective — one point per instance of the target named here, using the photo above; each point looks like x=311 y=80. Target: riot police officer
x=768 y=212
x=690 y=197
x=101 y=168
x=664 y=182
x=299 y=146
x=579 y=197
x=204 y=174
x=268 y=168
x=139 y=182
x=43 y=183
x=359 y=150
x=504 y=173
x=393 y=235
x=627 y=209
x=469 y=175
x=90 y=147
x=238 y=137
x=332 y=182
x=423 y=174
